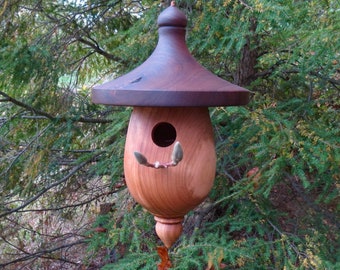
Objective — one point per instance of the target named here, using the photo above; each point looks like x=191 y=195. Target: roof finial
x=173 y=3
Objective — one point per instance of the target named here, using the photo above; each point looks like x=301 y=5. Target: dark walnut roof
x=170 y=77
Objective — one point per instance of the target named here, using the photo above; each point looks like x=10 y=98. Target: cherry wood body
x=169 y=193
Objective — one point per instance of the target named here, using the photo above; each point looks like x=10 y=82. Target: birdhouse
x=169 y=158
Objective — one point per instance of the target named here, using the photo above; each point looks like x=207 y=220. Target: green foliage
x=285 y=218
x=275 y=201
x=295 y=42
x=300 y=139
x=130 y=239
x=294 y=146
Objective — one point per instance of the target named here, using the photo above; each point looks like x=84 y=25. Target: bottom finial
x=168 y=230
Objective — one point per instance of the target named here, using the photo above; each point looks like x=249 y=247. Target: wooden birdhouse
x=169 y=159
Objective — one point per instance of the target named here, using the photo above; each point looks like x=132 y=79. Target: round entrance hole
x=163 y=134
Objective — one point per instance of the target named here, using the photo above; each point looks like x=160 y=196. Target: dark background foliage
x=63 y=200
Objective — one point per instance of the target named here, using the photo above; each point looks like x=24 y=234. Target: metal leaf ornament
x=177 y=154
x=176 y=157
x=140 y=158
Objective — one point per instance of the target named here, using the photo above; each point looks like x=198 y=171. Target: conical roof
x=170 y=76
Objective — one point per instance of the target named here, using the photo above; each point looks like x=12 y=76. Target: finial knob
x=172 y=16
x=169 y=230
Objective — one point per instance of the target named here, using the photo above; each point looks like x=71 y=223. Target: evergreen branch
x=26 y=106
x=95 y=46
x=45 y=115
x=42 y=253
x=331 y=217
x=61 y=259
x=246 y=5
x=4 y=8
x=296 y=250
x=295 y=71
x=36 y=137
x=47 y=188
x=81 y=60
x=90 y=120
x=76 y=204
x=270 y=70
x=31 y=230
x=330 y=80
x=75 y=119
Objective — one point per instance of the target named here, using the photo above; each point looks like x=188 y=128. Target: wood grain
x=170 y=76
x=171 y=192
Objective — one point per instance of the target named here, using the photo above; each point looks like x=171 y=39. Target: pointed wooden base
x=168 y=230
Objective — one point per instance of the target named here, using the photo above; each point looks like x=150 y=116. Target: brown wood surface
x=169 y=193
x=168 y=230
x=170 y=76
x=171 y=87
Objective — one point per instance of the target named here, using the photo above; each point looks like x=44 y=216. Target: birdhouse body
x=170 y=192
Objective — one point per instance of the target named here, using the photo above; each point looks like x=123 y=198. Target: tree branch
x=42 y=253
x=26 y=106
x=299 y=190
x=246 y=5
x=37 y=136
x=117 y=187
x=90 y=120
x=294 y=71
x=45 y=115
x=95 y=46
x=44 y=190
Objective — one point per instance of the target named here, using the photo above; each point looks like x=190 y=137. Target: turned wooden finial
x=168 y=230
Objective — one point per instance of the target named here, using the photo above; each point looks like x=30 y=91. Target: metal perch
x=176 y=157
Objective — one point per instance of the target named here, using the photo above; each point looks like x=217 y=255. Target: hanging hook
x=176 y=157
